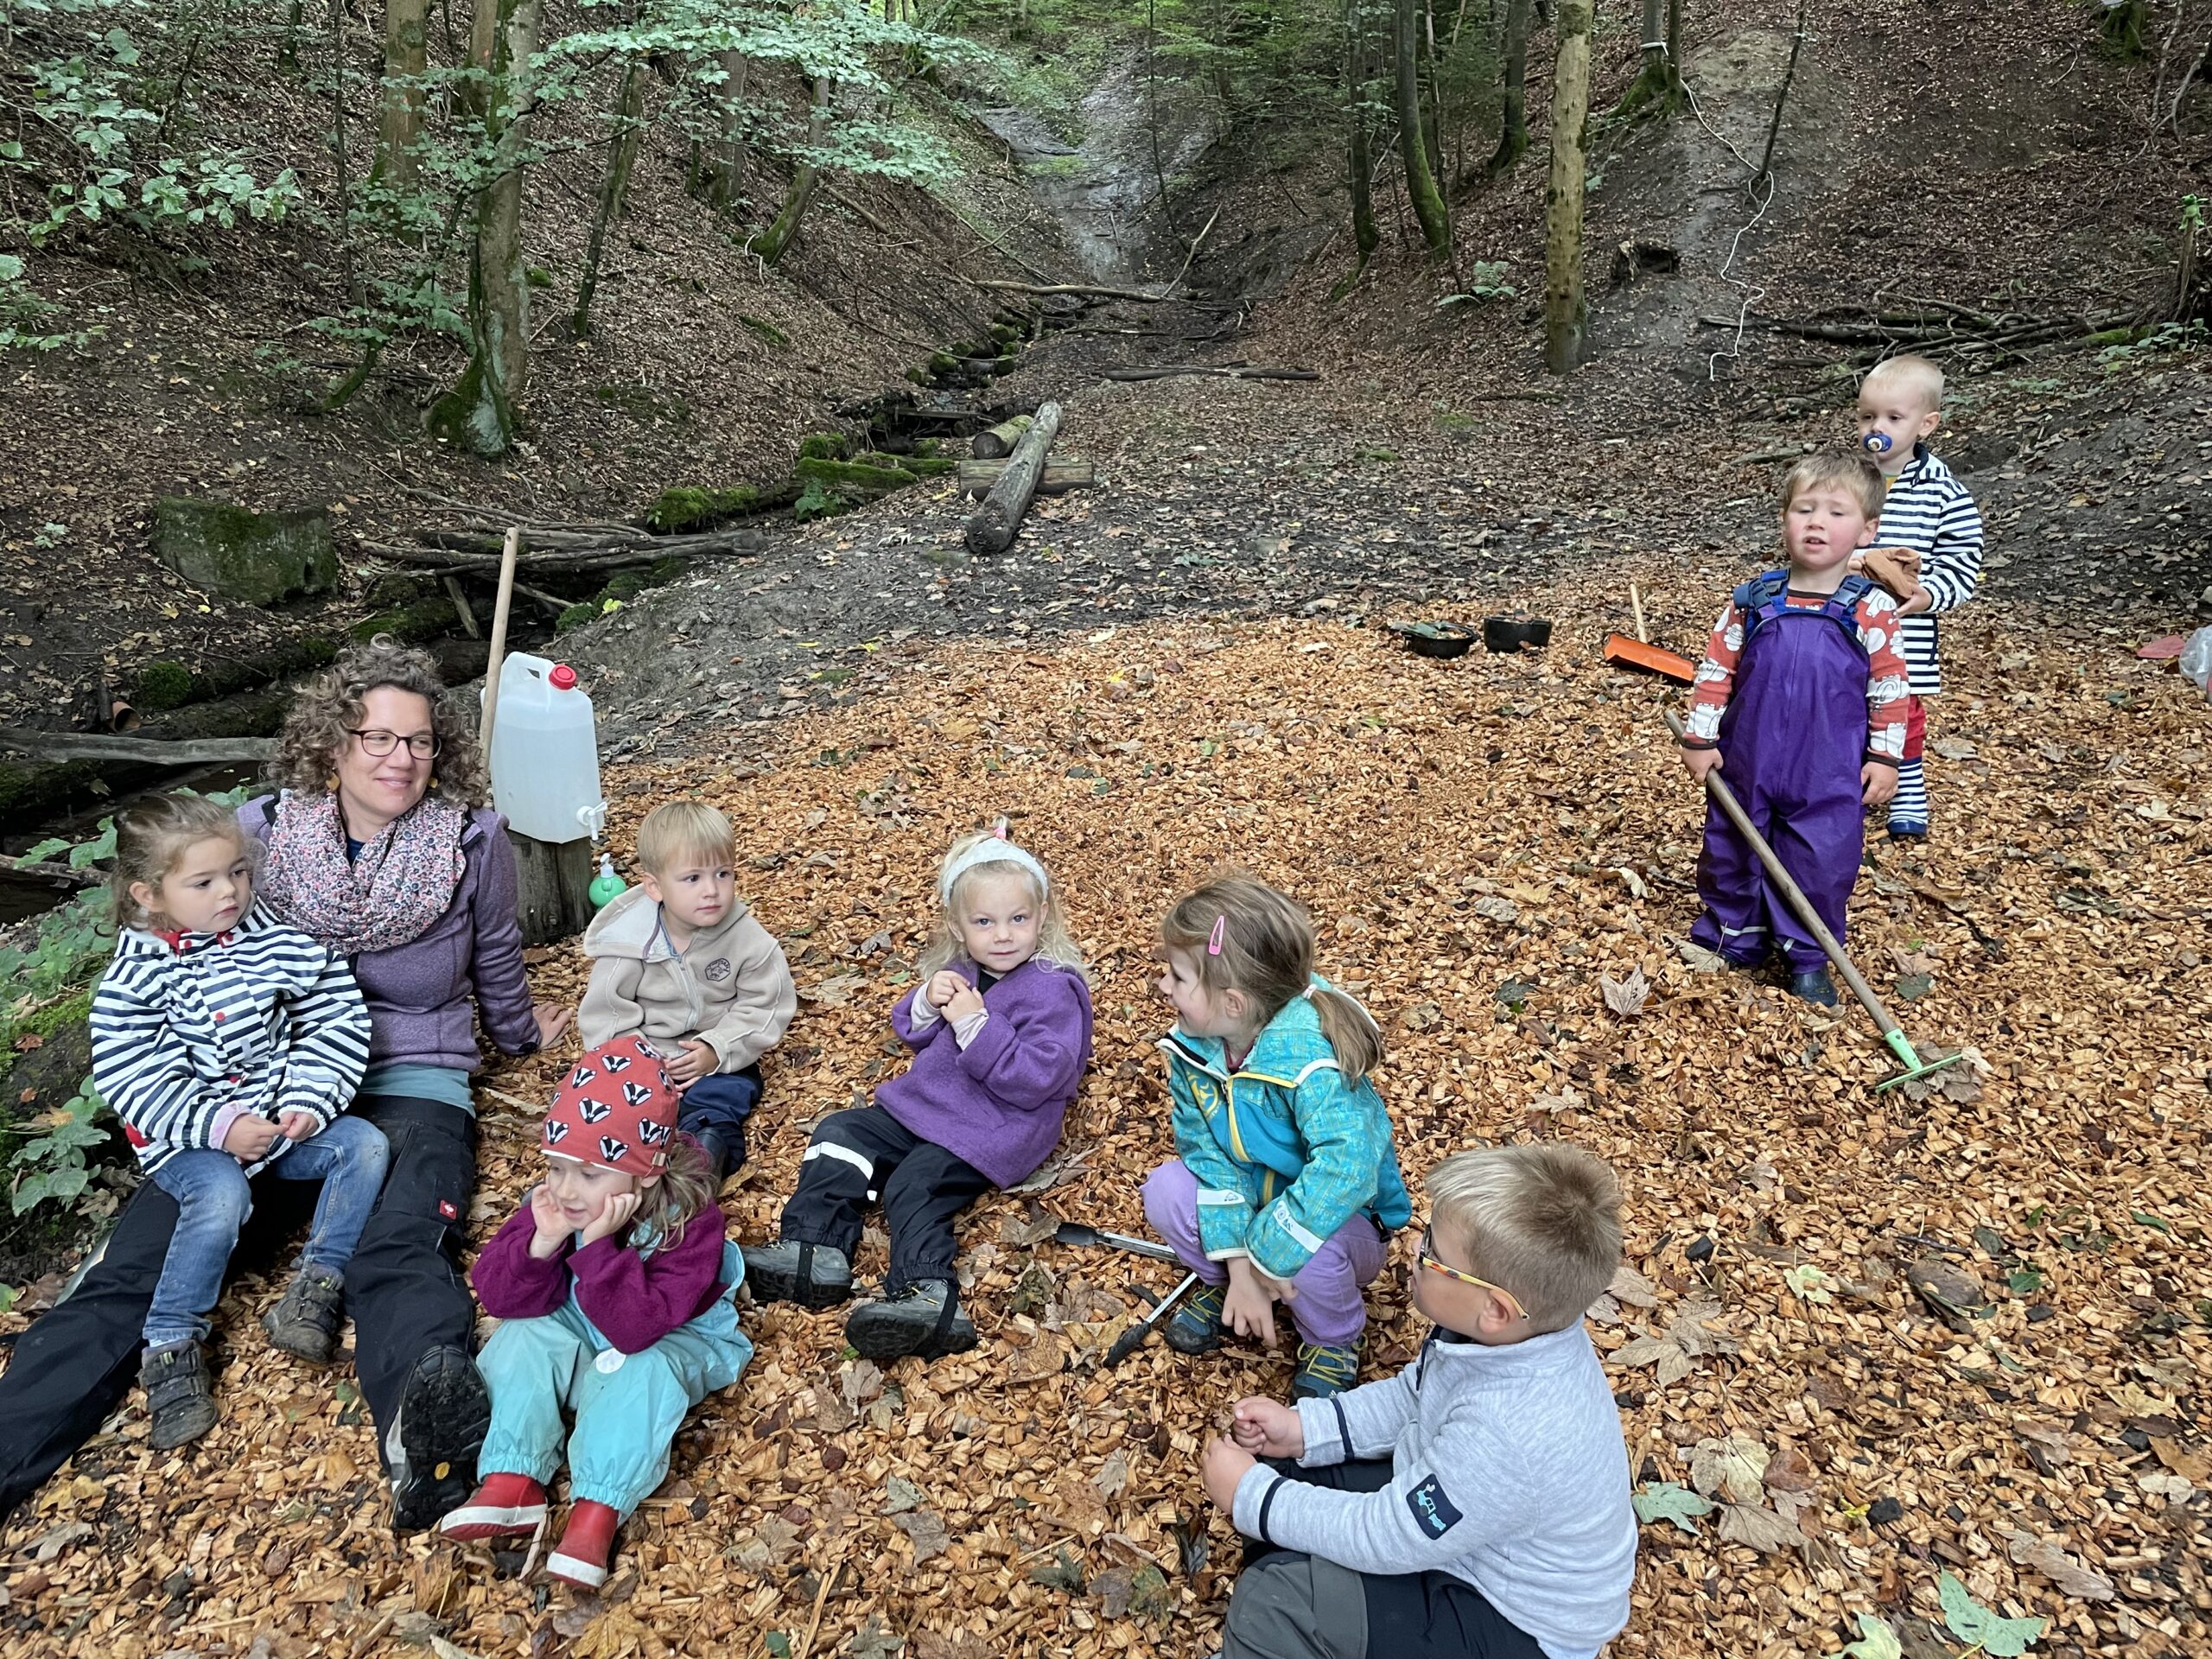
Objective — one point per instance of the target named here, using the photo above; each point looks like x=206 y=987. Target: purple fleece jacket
x=998 y=1102
x=635 y=1299
x=419 y=992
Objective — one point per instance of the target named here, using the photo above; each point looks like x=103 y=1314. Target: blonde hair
x=1055 y=945
x=1267 y=952
x=676 y=828
x=1911 y=372
x=685 y=1189
x=150 y=835
x=328 y=708
x=1852 y=471
x=1542 y=1219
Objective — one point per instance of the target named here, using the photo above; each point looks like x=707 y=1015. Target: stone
x=259 y=558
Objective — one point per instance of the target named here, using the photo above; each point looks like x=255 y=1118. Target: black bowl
x=1512 y=632
x=1435 y=639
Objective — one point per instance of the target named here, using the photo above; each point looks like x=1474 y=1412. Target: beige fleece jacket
x=732 y=988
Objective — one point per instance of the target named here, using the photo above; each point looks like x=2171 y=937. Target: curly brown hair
x=329 y=706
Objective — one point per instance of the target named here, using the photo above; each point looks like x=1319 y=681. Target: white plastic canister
x=545 y=752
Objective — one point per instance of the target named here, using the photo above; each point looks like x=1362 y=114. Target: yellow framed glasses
x=1425 y=1257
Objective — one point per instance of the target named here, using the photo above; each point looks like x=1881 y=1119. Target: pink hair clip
x=999 y=829
x=1220 y=931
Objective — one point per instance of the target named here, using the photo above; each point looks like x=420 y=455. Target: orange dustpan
x=1625 y=653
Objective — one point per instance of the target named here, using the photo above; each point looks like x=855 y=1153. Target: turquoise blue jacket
x=1285 y=1154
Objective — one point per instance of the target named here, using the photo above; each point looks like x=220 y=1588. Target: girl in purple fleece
x=614 y=1284
x=999 y=1026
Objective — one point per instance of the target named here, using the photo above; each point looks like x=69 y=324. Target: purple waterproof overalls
x=1793 y=740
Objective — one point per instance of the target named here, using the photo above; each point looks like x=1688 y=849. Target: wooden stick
x=821 y=1600
x=61 y=875
x=185 y=751
x=460 y=608
x=1050 y=288
x=1635 y=604
x=499 y=608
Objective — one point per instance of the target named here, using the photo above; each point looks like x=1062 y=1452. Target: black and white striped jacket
x=1929 y=510
x=192 y=1031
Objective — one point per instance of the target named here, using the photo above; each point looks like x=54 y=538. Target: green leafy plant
x=1485 y=282
x=51 y=1166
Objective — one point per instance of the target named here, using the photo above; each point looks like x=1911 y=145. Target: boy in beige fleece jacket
x=680 y=961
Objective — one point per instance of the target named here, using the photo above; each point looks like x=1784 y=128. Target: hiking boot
x=502 y=1507
x=723 y=1153
x=1195 y=1326
x=180 y=1395
x=1815 y=987
x=923 y=1318
x=305 y=1324
x=1323 y=1370
x=432 y=1445
x=586 y=1543
x=813 y=1275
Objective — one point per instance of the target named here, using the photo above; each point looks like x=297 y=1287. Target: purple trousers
x=1793 y=739
x=1327 y=1309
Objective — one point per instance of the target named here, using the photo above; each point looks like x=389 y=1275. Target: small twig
x=821 y=1600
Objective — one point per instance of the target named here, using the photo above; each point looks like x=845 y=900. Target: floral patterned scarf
x=390 y=895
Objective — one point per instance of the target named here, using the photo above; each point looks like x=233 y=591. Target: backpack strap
x=1759 y=601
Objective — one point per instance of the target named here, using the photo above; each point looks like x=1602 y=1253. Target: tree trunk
x=400 y=115
x=1658 y=88
x=1513 y=127
x=770 y=244
x=629 y=103
x=1563 y=316
x=2122 y=27
x=1420 y=183
x=995 y=444
x=1358 y=32
x=1432 y=98
x=992 y=529
x=481 y=411
x=976 y=477
x=728 y=180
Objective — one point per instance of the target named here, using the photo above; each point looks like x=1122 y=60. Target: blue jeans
x=214 y=1199
x=721 y=1100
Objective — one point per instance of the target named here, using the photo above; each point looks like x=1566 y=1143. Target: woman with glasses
x=381 y=846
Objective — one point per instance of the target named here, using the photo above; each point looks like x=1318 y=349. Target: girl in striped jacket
x=228 y=1043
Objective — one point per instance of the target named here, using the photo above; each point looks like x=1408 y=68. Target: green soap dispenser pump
x=606 y=886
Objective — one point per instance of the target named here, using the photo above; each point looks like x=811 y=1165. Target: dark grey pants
x=1292 y=1606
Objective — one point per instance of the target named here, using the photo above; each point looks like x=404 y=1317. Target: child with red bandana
x=614 y=1283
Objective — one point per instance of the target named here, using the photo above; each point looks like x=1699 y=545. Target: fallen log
x=60 y=875
x=1080 y=289
x=992 y=529
x=1168 y=371
x=1058 y=478
x=568 y=550
x=997 y=442
x=184 y=751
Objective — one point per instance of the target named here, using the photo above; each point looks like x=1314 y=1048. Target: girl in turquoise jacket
x=1285 y=1186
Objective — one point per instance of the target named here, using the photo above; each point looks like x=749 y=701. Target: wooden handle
x=508 y=551
x=1733 y=809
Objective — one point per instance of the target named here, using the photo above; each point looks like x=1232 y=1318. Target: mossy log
x=1058 y=478
x=996 y=443
x=995 y=523
x=39 y=780
x=853 y=474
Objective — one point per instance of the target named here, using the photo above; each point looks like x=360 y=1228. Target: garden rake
x=1892 y=1034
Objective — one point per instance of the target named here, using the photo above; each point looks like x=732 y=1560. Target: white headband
x=992 y=849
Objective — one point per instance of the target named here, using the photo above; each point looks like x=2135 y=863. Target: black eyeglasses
x=423 y=746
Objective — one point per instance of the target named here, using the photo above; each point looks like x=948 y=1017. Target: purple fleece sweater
x=998 y=1102
x=419 y=992
x=635 y=1299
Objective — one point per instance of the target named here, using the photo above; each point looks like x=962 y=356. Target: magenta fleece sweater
x=633 y=1299
x=998 y=1102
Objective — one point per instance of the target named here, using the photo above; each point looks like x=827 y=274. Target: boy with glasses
x=1477 y=1503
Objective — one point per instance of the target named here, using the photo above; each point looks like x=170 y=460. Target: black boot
x=923 y=1318
x=725 y=1153
x=431 y=1446
x=305 y=1322
x=180 y=1394
x=813 y=1275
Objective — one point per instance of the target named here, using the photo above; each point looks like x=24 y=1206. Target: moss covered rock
x=825 y=445
x=575 y=616
x=162 y=685
x=425 y=618
x=255 y=557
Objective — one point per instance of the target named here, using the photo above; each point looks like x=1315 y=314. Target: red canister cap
x=563 y=678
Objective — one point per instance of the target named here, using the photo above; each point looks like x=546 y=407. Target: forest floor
x=1185 y=667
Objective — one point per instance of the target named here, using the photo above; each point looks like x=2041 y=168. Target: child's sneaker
x=305 y=1323
x=1815 y=987
x=1904 y=829
x=502 y=1507
x=180 y=1395
x=813 y=1275
x=586 y=1543
x=1195 y=1325
x=431 y=1446
x=923 y=1318
x=1323 y=1370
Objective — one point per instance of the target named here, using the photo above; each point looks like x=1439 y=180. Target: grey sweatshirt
x=1511 y=1475
x=732 y=988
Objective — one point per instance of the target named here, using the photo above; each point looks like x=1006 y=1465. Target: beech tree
x=1420 y=182
x=1563 y=314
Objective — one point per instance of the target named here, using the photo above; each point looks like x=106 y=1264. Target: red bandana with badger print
x=617 y=1109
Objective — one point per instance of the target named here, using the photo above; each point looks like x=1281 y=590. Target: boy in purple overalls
x=1801 y=702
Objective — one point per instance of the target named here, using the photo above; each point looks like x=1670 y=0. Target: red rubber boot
x=501 y=1507
x=586 y=1543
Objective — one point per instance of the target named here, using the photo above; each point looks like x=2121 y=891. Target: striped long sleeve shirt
x=1876 y=617
x=193 y=1031
x=1929 y=510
